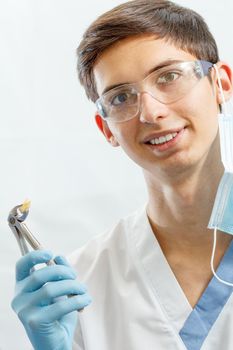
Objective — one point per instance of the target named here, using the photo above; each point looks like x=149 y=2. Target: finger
x=25 y=264
x=63 y=307
x=47 y=274
x=50 y=291
x=61 y=260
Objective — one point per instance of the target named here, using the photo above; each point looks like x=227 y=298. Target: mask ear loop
x=224 y=109
x=212 y=261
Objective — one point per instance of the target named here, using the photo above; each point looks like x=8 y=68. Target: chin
x=173 y=166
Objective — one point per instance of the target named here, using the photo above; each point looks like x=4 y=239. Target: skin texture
x=182 y=181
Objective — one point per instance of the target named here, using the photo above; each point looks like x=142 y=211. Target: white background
x=50 y=149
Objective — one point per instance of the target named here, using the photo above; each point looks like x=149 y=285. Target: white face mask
x=222 y=213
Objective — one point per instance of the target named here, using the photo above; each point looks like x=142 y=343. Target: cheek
x=200 y=110
x=125 y=132
x=201 y=106
x=205 y=133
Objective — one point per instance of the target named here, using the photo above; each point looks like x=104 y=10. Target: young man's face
x=194 y=115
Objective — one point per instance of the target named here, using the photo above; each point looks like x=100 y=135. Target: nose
x=151 y=110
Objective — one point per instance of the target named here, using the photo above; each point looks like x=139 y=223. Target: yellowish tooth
x=25 y=206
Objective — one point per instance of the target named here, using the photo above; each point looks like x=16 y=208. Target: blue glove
x=41 y=303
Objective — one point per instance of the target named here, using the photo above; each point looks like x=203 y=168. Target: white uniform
x=137 y=301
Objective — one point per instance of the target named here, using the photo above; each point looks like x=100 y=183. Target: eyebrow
x=158 y=66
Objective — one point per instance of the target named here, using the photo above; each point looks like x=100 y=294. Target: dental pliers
x=22 y=233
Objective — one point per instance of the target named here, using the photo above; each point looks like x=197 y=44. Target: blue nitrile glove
x=41 y=302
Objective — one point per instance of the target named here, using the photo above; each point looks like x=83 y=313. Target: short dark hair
x=182 y=26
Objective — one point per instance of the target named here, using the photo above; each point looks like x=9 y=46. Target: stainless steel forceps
x=22 y=233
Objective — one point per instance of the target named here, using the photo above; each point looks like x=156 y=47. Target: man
x=152 y=69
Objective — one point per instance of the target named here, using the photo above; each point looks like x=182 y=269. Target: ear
x=225 y=74
x=104 y=128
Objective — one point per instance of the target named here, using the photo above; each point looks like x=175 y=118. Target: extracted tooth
x=25 y=206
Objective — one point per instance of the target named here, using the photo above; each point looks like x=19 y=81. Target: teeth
x=162 y=139
x=169 y=137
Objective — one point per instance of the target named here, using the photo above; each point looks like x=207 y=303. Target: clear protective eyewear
x=167 y=85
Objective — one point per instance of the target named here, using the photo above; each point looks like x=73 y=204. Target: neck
x=179 y=209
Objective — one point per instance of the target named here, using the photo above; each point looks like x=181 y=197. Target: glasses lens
x=121 y=103
x=166 y=85
x=171 y=83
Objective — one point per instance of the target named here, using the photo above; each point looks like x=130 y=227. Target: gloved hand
x=41 y=303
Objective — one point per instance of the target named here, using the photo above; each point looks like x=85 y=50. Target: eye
x=168 y=77
x=121 y=98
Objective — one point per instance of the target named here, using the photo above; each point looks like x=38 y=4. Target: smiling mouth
x=162 y=139
x=164 y=142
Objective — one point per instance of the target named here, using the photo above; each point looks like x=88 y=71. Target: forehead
x=130 y=59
